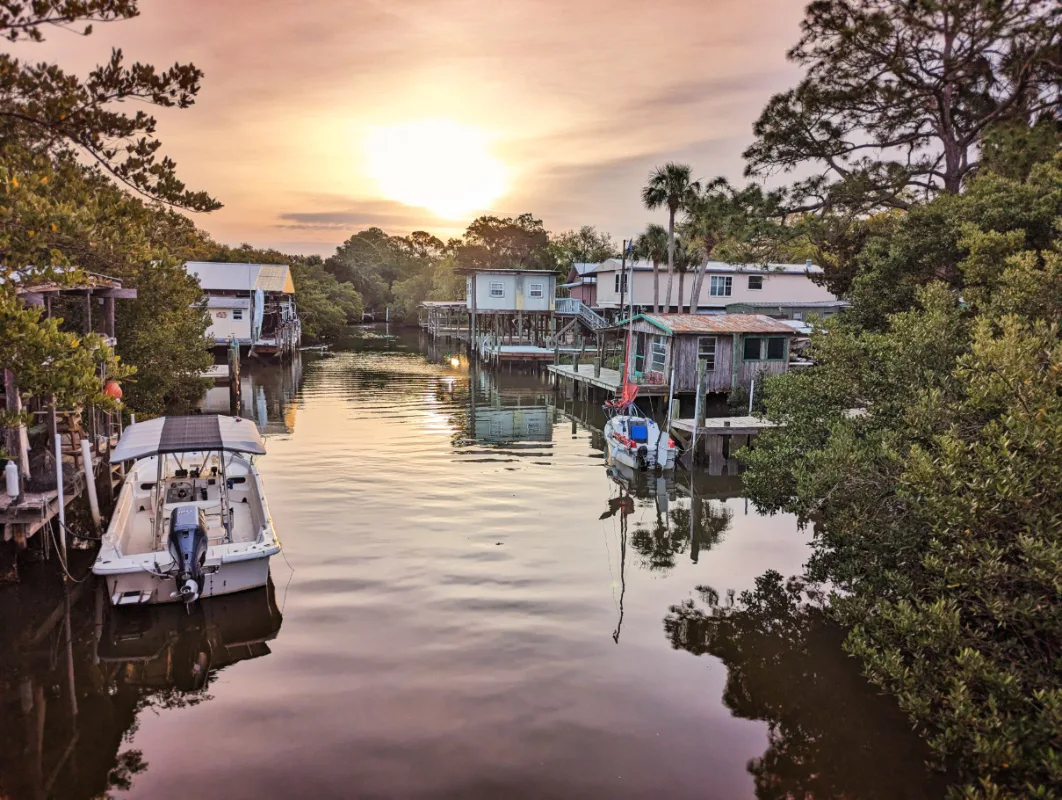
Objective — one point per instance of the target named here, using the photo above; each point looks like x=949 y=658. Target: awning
x=188 y=434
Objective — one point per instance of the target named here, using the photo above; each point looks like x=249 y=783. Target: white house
x=508 y=291
x=251 y=303
x=759 y=286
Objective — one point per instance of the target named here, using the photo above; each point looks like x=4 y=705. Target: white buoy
x=11 y=479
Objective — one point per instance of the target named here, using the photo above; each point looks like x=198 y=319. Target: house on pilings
x=512 y=306
x=736 y=349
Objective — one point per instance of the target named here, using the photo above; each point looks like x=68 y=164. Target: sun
x=438 y=165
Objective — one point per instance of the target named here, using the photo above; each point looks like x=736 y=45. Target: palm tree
x=706 y=218
x=684 y=259
x=652 y=246
x=670 y=186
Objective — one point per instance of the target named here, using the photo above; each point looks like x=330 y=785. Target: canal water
x=471 y=604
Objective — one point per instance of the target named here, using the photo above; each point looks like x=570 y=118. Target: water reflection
x=67 y=723
x=267 y=394
x=476 y=612
x=830 y=734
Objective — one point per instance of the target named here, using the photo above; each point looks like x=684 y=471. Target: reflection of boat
x=159 y=647
x=191 y=519
x=637 y=441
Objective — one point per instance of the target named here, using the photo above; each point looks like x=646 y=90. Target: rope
x=59 y=552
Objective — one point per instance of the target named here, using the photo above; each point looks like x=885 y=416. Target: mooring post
x=90 y=483
x=61 y=498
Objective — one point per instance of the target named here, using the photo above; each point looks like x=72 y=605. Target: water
x=471 y=605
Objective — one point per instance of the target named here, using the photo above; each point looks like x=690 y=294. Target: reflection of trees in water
x=830 y=734
x=694 y=528
x=125 y=662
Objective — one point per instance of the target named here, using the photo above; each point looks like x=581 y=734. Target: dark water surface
x=478 y=609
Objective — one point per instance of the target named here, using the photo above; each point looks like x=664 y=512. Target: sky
x=319 y=118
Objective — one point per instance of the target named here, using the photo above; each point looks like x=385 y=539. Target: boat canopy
x=186 y=435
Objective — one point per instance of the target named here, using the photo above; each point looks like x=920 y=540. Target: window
x=535 y=290
x=237 y=314
x=798 y=315
x=497 y=289
x=759 y=348
x=721 y=286
x=753 y=345
x=620 y=283
x=755 y=282
x=706 y=352
x=659 y=354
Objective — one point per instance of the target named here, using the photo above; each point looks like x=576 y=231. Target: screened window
x=658 y=355
x=755 y=282
x=237 y=314
x=706 y=351
x=497 y=289
x=535 y=290
x=775 y=349
x=721 y=286
x=753 y=345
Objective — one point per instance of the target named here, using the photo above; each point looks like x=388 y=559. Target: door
x=639 y=354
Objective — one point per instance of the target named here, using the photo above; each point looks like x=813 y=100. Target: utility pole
x=623 y=278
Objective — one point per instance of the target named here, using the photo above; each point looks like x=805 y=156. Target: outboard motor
x=643 y=457
x=188 y=546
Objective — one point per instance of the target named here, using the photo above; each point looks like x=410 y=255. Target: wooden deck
x=722 y=426
x=610 y=379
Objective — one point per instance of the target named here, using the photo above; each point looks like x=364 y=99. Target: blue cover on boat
x=640 y=433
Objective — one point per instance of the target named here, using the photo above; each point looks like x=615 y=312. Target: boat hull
x=139 y=587
x=620 y=449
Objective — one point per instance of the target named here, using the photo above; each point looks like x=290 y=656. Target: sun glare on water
x=441 y=166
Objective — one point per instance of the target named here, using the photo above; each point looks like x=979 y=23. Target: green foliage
x=505 y=243
x=584 y=246
x=325 y=305
x=926 y=446
x=51 y=111
x=50 y=362
x=898 y=95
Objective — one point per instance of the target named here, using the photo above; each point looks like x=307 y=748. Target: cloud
x=355 y=214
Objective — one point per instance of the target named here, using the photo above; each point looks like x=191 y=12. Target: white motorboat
x=637 y=442
x=191 y=519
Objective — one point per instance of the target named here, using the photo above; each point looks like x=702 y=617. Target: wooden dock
x=610 y=380
x=722 y=426
x=718 y=438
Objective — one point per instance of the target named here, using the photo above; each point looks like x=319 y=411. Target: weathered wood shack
x=735 y=348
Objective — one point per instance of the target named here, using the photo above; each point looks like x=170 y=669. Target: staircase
x=570 y=307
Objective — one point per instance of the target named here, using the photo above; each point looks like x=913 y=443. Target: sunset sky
x=320 y=118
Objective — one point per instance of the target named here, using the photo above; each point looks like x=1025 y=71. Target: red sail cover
x=630 y=391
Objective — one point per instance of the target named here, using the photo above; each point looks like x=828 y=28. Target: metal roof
x=198 y=433
x=714 y=323
x=584 y=269
x=503 y=271
x=792 y=304
x=444 y=303
x=641 y=265
x=230 y=277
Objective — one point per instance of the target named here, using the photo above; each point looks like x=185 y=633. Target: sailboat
x=631 y=438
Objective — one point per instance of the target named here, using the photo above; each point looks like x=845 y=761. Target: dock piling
x=90 y=483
